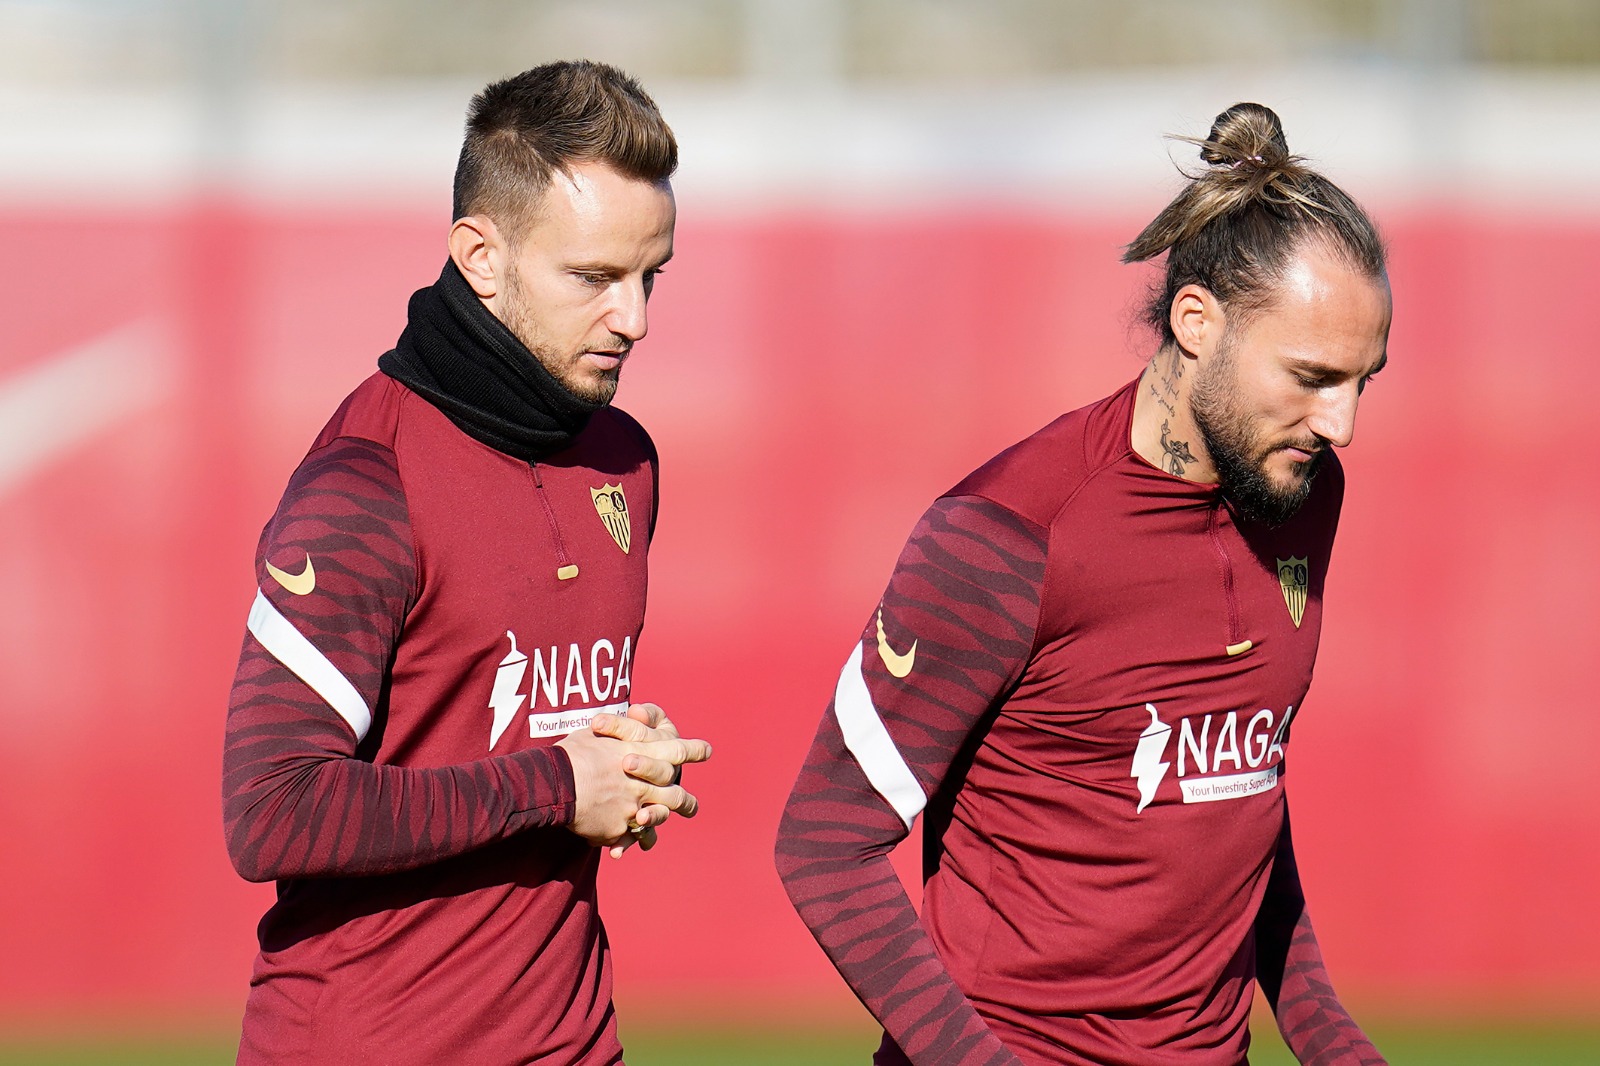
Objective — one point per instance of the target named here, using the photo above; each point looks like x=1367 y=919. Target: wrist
x=551 y=797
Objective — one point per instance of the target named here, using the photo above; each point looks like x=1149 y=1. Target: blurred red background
x=813 y=379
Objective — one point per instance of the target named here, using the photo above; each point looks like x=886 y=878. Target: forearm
x=1294 y=979
x=1314 y=1023
x=291 y=810
x=841 y=883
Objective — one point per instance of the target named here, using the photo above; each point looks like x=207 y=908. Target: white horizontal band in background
x=1073 y=145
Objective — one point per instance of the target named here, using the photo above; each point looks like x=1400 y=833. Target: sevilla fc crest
x=612 y=507
x=1294 y=578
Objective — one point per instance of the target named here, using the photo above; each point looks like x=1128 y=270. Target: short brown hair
x=1234 y=227
x=522 y=130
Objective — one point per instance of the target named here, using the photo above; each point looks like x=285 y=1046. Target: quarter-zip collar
x=566 y=569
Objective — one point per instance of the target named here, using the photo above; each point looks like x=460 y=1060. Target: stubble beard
x=1237 y=452
x=566 y=368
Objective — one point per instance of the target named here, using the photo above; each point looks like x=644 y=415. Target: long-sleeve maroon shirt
x=1084 y=670
x=432 y=616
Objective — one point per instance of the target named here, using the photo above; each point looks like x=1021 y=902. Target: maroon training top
x=1084 y=668
x=433 y=615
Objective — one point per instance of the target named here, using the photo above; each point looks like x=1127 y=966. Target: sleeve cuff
x=551 y=797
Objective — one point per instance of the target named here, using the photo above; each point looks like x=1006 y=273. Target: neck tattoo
x=1175 y=454
x=1168 y=369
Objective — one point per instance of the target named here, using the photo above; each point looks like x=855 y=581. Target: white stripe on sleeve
x=291 y=648
x=869 y=741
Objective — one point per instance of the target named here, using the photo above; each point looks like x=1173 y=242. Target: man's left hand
x=643 y=722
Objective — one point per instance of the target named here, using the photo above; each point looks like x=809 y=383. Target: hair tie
x=1237 y=163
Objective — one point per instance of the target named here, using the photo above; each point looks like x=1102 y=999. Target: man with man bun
x=432 y=733
x=1085 y=667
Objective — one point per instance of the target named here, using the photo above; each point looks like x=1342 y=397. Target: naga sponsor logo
x=572 y=684
x=1225 y=756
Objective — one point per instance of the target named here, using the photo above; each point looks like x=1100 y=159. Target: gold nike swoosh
x=299 y=584
x=1239 y=648
x=898 y=665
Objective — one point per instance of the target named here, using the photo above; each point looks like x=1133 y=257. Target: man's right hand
x=620 y=767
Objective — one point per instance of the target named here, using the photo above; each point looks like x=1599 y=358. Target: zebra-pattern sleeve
x=953 y=632
x=1290 y=970
x=301 y=797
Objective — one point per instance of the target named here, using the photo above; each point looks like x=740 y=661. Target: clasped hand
x=625 y=772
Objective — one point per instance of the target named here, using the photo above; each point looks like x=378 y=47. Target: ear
x=479 y=253
x=1197 y=320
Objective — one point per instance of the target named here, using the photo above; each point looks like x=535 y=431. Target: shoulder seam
x=1083 y=483
x=343 y=438
x=1050 y=554
x=414 y=593
x=1007 y=508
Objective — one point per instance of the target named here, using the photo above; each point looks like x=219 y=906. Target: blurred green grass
x=1466 y=1044
x=1567 y=1044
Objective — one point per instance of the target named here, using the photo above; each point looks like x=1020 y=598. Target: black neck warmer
x=465 y=362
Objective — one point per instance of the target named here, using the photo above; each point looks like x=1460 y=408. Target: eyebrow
x=598 y=267
x=1311 y=366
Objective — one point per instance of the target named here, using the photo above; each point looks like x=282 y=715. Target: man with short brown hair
x=432 y=733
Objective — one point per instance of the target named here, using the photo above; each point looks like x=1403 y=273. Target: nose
x=1334 y=419
x=627 y=316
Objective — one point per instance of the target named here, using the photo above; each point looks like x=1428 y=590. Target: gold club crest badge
x=1294 y=578
x=612 y=506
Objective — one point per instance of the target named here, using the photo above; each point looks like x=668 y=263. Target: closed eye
x=1383 y=362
